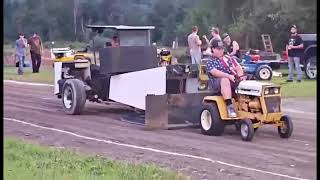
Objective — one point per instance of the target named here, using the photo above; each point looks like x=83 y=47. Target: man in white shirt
x=194 y=43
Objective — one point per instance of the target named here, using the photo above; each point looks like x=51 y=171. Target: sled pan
x=170 y=111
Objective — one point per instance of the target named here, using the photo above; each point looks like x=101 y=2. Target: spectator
x=215 y=35
x=232 y=47
x=294 y=50
x=36 y=49
x=20 y=54
x=194 y=43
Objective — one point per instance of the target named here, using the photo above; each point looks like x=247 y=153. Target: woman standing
x=20 y=53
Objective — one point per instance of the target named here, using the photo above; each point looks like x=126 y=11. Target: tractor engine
x=253 y=95
x=249 y=103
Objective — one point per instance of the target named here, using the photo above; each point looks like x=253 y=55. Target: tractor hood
x=251 y=87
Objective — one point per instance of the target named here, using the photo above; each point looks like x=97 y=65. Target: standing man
x=194 y=43
x=294 y=50
x=35 y=51
x=20 y=54
x=215 y=36
x=215 y=32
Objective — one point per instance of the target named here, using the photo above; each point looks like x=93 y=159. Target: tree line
x=244 y=20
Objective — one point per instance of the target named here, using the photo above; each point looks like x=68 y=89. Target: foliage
x=245 y=20
x=307 y=88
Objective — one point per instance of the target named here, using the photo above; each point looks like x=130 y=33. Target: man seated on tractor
x=115 y=41
x=224 y=72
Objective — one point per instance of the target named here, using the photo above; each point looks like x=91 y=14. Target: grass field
x=26 y=161
x=45 y=76
x=307 y=88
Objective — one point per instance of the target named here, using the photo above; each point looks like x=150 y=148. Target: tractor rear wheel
x=210 y=120
x=246 y=130
x=73 y=96
x=311 y=68
x=286 y=130
x=264 y=72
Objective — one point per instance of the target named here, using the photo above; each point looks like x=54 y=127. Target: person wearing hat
x=294 y=50
x=232 y=47
x=20 y=54
x=222 y=72
x=215 y=35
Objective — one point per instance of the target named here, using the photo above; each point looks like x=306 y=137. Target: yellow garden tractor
x=68 y=55
x=256 y=104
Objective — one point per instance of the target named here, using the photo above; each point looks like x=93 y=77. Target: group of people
x=200 y=47
x=34 y=43
x=224 y=71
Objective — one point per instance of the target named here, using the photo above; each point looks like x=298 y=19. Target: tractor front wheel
x=286 y=130
x=246 y=130
x=73 y=96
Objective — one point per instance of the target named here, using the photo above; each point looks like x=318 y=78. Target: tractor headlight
x=272 y=90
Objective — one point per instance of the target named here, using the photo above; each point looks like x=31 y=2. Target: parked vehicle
x=309 y=56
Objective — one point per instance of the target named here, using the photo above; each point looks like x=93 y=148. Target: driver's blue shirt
x=215 y=63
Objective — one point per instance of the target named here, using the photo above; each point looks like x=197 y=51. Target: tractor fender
x=310 y=51
x=310 y=47
x=220 y=103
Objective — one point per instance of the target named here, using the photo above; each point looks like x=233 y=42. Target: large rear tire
x=210 y=120
x=73 y=96
x=311 y=68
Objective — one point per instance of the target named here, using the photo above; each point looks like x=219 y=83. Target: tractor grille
x=273 y=104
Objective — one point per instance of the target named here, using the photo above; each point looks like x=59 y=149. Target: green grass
x=307 y=88
x=45 y=76
x=31 y=162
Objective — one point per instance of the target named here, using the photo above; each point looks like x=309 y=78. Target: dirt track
x=275 y=157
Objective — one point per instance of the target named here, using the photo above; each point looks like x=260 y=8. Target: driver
x=115 y=41
x=224 y=73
